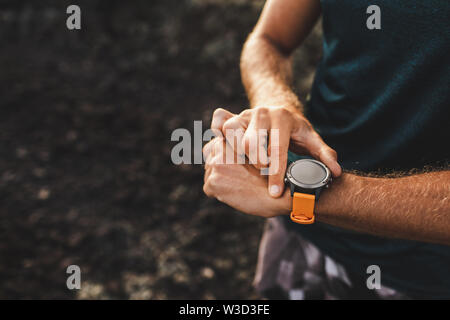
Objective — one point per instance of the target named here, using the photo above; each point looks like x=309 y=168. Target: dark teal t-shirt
x=381 y=99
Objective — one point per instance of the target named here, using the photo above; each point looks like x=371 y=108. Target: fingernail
x=274 y=190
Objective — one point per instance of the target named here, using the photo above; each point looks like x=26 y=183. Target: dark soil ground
x=85 y=172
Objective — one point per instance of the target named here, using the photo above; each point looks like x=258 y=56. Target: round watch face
x=308 y=174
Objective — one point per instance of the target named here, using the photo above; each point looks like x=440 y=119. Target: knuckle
x=229 y=124
x=283 y=112
x=262 y=111
x=326 y=152
x=207 y=189
x=246 y=113
x=219 y=112
x=324 y=149
x=333 y=152
x=206 y=149
x=210 y=163
x=215 y=161
x=263 y=116
x=213 y=181
x=315 y=153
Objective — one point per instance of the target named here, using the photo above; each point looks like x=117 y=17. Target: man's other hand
x=287 y=129
x=240 y=186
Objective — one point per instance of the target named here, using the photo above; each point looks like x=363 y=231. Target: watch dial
x=308 y=172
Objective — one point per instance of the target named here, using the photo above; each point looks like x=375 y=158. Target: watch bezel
x=299 y=184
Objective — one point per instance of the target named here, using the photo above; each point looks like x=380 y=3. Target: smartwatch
x=306 y=178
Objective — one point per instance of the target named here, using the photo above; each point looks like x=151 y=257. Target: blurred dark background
x=85 y=171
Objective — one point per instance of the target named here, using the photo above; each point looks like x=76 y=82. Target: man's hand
x=415 y=207
x=240 y=186
x=266 y=69
x=286 y=128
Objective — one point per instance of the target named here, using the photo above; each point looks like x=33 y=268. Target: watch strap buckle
x=303 y=208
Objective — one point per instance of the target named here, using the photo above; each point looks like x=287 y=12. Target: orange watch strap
x=303 y=208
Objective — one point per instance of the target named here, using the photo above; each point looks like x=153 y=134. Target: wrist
x=285 y=203
x=338 y=197
x=292 y=106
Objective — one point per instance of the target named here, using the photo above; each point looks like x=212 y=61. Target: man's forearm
x=415 y=207
x=267 y=74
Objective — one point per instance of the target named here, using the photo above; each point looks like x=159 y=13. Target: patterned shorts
x=290 y=267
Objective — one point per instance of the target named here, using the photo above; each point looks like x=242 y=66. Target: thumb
x=321 y=151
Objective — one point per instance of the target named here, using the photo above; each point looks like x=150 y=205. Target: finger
x=207 y=151
x=206 y=175
x=321 y=151
x=234 y=130
x=220 y=116
x=255 y=139
x=211 y=149
x=278 y=149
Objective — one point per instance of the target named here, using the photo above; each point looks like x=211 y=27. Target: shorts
x=290 y=267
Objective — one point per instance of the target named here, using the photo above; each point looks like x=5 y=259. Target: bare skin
x=267 y=74
x=415 y=207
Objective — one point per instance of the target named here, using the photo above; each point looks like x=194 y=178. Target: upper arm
x=286 y=23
